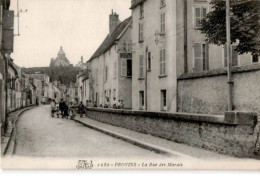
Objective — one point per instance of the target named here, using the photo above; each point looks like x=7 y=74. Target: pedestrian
x=71 y=112
x=66 y=111
x=114 y=103
x=81 y=109
x=62 y=108
x=53 y=107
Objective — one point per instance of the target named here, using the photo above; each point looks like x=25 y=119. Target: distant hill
x=64 y=74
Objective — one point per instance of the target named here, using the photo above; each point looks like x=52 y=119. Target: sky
x=79 y=26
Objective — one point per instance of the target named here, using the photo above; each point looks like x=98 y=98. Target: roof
x=84 y=73
x=136 y=3
x=111 y=38
x=38 y=76
x=11 y=64
x=85 y=78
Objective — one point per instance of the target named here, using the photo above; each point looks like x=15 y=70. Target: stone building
x=111 y=65
x=154 y=82
x=61 y=59
x=175 y=69
x=6 y=38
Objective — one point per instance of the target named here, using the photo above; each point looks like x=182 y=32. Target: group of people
x=66 y=110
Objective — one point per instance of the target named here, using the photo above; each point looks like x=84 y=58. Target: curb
x=147 y=146
x=9 y=148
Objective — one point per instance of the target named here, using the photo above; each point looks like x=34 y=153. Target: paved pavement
x=39 y=135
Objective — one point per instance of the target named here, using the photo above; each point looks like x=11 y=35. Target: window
x=255 y=58
x=141 y=100
x=141 y=66
x=201 y=58
x=200 y=14
x=163 y=100
x=115 y=70
x=162 y=3
x=126 y=67
x=162 y=23
x=162 y=62
x=141 y=10
x=234 y=55
x=129 y=67
x=141 y=32
x=149 y=67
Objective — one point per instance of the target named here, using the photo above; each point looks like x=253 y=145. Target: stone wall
x=233 y=134
x=207 y=92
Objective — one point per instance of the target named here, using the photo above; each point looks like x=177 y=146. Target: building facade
x=154 y=82
x=110 y=77
x=176 y=69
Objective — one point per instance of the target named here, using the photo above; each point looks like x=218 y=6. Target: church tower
x=61 y=59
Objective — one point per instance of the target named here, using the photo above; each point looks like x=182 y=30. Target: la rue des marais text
x=144 y=164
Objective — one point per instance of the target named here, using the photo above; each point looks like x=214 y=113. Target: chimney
x=82 y=59
x=113 y=21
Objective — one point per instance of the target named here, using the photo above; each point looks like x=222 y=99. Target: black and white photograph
x=130 y=85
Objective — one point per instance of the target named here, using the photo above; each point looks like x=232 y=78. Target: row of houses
x=18 y=89
x=158 y=60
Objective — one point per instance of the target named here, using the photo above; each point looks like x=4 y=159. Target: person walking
x=66 y=111
x=53 y=107
x=62 y=106
x=81 y=109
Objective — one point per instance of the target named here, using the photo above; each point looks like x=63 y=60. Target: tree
x=244 y=22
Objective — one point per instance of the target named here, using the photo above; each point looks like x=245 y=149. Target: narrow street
x=39 y=135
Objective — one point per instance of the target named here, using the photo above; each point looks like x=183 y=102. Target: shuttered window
x=162 y=62
x=201 y=57
x=199 y=14
x=123 y=67
x=141 y=32
x=126 y=67
x=163 y=23
x=141 y=10
x=141 y=66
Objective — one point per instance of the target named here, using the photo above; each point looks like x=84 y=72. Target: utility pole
x=229 y=58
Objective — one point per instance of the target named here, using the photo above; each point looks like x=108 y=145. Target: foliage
x=64 y=74
x=245 y=24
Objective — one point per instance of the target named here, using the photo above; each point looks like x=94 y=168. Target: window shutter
x=197 y=57
x=161 y=67
x=123 y=67
x=197 y=17
x=204 y=12
x=141 y=72
x=164 y=61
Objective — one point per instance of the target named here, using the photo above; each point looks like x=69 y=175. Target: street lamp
x=18 y=17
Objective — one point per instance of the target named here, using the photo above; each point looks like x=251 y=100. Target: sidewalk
x=11 y=119
x=149 y=142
